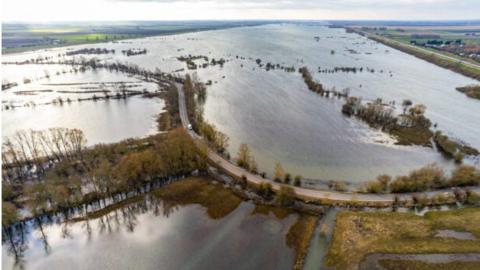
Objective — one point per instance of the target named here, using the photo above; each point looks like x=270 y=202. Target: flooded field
x=78 y=100
x=156 y=233
x=273 y=111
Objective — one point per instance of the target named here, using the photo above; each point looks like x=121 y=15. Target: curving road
x=303 y=193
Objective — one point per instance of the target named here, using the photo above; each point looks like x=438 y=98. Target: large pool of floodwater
x=273 y=111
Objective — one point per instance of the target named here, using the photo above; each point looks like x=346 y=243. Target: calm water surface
x=157 y=234
x=284 y=122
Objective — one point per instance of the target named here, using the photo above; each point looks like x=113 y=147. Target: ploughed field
x=254 y=97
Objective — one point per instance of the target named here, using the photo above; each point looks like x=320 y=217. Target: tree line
x=30 y=151
x=424 y=179
x=113 y=171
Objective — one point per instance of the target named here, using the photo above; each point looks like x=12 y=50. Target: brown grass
x=418 y=265
x=219 y=200
x=278 y=212
x=360 y=233
x=299 y=237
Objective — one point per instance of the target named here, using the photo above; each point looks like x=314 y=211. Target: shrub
x=297 y=181
x=465 y=175
x=279 y=172
x=473 y=197
x=286 y=196
x=374 y=187
x=287 y=178
x=419 y=180
x=265 y=190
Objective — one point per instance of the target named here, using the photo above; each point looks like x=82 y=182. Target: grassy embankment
x=358 y=234
x=434 y=58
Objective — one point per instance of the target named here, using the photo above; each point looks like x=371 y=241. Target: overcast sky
x=88 y=10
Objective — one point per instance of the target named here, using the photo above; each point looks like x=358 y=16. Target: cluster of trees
x=345 y=69
x=269 y=66
x=411 y=127
x=131 y=52
x=318 y=87
x=246 y=160
x=30 y=151
x=190 y=60
x=280 y=175
x=216 y=138
x=170 y=118
x=472 y=91
x=220 y=62
x=90 y=51
x=426 y=178
x=195 y=96
x=285 y=196
x=107 y=171
x=7 y=85
x=453 y=149
x=379 y=115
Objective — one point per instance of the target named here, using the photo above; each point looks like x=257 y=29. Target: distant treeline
x=132 y=52
x=90 y=51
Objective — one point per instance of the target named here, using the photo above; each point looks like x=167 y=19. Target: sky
x=109 y=10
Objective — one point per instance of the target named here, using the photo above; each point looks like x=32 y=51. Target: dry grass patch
x=299 y=237
x=418 y=265
x=360 y=233
x=278 y=212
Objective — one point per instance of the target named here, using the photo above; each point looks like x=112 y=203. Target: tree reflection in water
x=16 y=241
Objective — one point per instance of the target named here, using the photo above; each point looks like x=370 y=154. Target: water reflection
x=151 y=233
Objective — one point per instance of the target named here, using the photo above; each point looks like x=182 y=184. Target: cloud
x=86 y=10
x=437 y=7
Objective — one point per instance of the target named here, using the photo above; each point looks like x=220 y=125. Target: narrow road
x=303 y=193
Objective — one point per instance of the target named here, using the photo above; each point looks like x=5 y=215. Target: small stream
x=321 y=240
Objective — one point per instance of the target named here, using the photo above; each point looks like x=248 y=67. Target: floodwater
x=282 y=121
x=155 y=234
x=28 y=106
x=320 y=242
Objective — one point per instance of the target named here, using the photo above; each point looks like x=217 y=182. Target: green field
x=24 y=37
